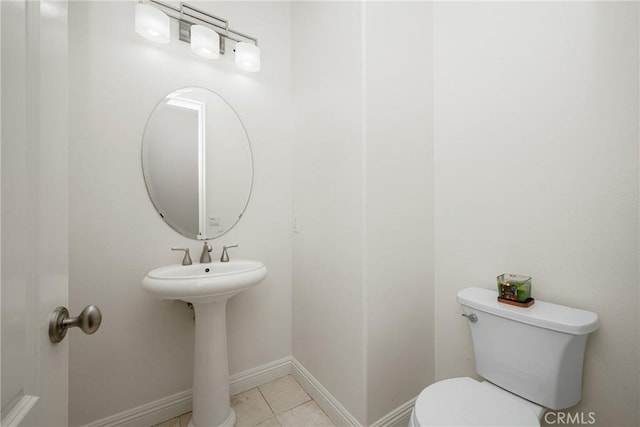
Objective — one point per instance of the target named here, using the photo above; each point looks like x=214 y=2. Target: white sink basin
x=198 y=283
x=207 y=287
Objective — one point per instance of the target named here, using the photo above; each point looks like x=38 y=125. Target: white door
x=34 y=210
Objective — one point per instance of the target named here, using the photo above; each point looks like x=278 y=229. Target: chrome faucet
x=187 y=258
x=205 y=257
x=225 y=255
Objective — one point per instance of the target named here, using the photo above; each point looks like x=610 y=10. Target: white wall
x=536 y=172
x=328 y=293
x=363 y=270
x=143 y=350
x=399 y=203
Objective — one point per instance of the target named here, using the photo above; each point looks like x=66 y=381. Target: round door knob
x=88 y=321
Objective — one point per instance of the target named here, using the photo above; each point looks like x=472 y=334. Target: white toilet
x=531 y=359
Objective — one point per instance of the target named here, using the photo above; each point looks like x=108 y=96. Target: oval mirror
x=197 y=163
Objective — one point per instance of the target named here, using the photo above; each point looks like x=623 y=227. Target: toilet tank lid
x=542 y=314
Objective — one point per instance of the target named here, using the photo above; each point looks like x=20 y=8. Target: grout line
x=290 y=409
x=304 y=403
x=267 y=402
x=299 y=405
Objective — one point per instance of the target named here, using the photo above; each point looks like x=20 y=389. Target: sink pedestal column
x=211 y=399
x=208 y=287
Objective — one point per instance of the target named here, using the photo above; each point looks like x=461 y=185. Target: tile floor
x=281 y=402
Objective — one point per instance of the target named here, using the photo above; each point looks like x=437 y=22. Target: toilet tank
x=535 y=352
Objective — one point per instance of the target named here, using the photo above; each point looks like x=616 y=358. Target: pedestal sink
x=207 y=287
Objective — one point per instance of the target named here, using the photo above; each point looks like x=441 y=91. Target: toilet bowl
x=467 y=402
x=531 y=359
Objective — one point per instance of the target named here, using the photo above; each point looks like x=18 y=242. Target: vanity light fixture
x=205 y=42
x=248 y=57
x=206 y=33
x=152 y=24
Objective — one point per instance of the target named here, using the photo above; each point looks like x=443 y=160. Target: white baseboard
x=329 y=404
x=19 y=411
x=254 y=377
x=177 y=404
x=399 y=417
x=149 y=414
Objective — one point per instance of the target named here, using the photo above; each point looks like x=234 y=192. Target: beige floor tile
x=173 y=422
x=184 y=419
x=306 y=415
x=271 y=422
x=283 y=394
x=250 y=408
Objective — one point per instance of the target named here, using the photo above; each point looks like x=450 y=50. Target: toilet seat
x=467 y=402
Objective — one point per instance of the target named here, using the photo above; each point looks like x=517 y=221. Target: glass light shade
x=248 y=57
x=152 y=24
x=205 y=42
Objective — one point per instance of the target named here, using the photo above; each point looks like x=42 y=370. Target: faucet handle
x=187 y=258
x=225 y=255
